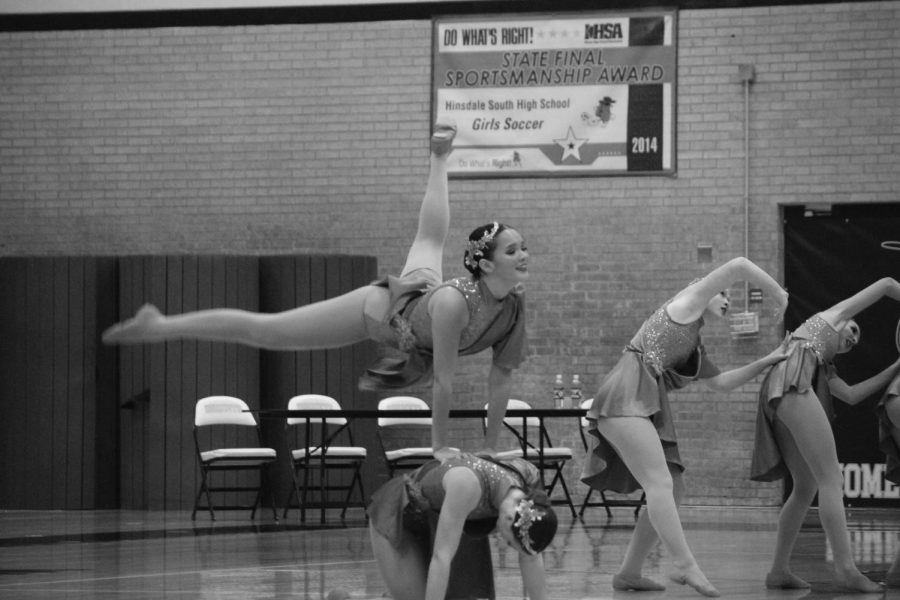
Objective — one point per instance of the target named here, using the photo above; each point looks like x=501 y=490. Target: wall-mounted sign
x=585 y=94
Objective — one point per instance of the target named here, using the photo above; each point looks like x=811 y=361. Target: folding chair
x=320 y=454
x=536 y=447
x=605 y=502
x=395 y=432
x=214 y=415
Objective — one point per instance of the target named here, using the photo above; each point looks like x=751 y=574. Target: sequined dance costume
x=662 y=356
x=808 y=366
x=405 y=510
x=886 y=441
x=496 y=324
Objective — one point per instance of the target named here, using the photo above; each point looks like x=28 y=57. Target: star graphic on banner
x=571 y=145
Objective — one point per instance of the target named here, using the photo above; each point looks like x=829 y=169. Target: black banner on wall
x=829 y=256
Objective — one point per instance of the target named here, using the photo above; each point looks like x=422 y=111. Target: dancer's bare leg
x=404 y=570
x=427 y=249
x=790 y=519
x=804 y=419
x=637 y=442
x=892 y=408
x=330 y=323
x=643 y=539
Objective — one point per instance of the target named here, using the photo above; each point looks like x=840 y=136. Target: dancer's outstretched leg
x=637 y=443
x=427 y=249
x=806 y=421
x=331 y=323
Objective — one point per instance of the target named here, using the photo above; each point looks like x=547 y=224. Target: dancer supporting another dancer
x=793 y=433
x=431 y=322
x=888 y=411
x=429 y=529
x=633 y=443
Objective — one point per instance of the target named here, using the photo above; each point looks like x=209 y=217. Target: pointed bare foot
x=785 y=581
x=442 y=138
x=137 y=329
x=697 y=580
x=635 y=583
x=857 y=583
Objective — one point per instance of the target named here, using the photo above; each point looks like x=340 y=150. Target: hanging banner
x=591 y=94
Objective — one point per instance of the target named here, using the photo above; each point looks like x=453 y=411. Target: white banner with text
x=591 y=94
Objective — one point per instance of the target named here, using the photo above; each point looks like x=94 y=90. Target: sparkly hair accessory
x=526 y=516
x=475 y=248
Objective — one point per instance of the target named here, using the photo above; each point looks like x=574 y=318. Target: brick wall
x=296 y=138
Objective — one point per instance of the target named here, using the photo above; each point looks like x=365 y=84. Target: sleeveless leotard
x=662 y=356
x=497 y=324
x=809 y=365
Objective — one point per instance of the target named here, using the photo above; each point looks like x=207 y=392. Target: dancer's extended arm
x=532 y=569
x=449 y=315
x=856 y=393
x=838 y=315
x=690 y=303
x=462 y=492
x=728 y=380
x=499 y=383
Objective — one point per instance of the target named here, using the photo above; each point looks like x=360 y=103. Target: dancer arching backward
x=888 y=411
x=429 y=529
x=633 y=443
x=431 y=322
x=793 y=433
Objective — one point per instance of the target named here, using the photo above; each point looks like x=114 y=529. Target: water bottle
x=575 y=392
x=558 y=392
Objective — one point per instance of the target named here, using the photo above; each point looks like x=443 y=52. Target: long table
x=352 y=414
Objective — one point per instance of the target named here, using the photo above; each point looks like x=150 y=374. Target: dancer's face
x=849 y=337
x=507 y=517
x=510 y=258
x=718 y=305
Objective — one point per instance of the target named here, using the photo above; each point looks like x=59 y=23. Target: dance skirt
x=410 y=364
x=401 y=514
x=800 y=372
x=886 y=441
x=632 y=390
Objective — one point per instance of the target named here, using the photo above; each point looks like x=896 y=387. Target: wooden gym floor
x=144 y=555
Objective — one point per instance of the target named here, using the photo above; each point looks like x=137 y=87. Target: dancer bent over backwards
x=793 y=433
x=431 y=321
x=633 y=442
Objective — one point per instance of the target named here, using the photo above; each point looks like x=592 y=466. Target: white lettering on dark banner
x=862 y=480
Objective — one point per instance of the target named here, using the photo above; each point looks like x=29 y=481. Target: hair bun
x=534 y=525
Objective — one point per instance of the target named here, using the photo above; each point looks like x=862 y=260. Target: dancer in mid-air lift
x=432 y=322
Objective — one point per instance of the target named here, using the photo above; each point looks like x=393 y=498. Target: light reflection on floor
x=133 y=554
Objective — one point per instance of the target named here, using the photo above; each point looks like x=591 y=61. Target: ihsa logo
x=602 y=31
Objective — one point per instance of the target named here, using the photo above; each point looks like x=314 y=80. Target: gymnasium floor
x=144 y=555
